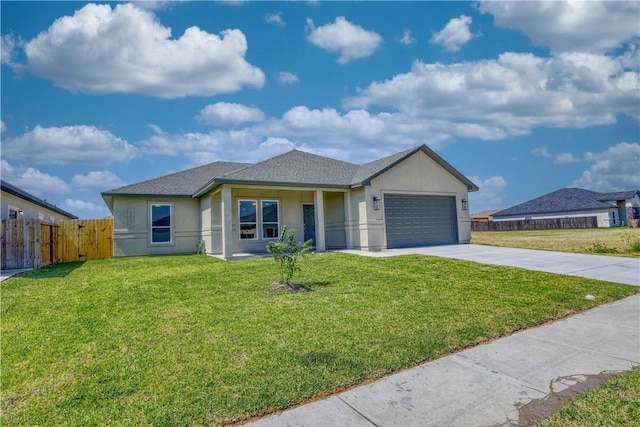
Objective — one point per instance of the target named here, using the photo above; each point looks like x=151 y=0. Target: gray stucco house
x=610 y=209
x=18 y=204
x=412 y=198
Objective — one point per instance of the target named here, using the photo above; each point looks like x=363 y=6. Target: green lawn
x=191 y=340
x=614 y=403
x=618 y=241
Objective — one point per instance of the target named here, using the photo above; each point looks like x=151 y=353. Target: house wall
x=30 y=210
x=334 y=218
x=604 y=216
x=131 y=234
x=418 y=175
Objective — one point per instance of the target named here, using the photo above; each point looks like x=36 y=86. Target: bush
x=286 y=251
x=601 y=248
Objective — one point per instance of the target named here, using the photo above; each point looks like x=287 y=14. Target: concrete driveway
x=601 y=267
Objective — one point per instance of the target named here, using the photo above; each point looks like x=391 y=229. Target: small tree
x=286 y=251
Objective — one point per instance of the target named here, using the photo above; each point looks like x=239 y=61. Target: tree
x=287 y=251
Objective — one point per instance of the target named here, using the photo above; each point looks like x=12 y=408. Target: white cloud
x=541 y=152
x=103 y=180
x=566 y=26
x=8 y=45
x=356 y=136
x=69 y=144
x=226 y=113
x=76 y=205
x=512 y=95
x=3 y=126
x=615 y=169
x=406 y=37
x=455 y=34
x=126 y=50
x=275 y=18
x=33 y=181
x=351 y=41
x=490 y=194
x=565 y=158
x=287 y=78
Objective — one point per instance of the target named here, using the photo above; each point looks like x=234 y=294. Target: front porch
x=243 y=219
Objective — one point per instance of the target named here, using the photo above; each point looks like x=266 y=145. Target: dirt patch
x=291 y=287
x=540 y=409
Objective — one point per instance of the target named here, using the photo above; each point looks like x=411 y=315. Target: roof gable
x=565 y=199
x=369 y=171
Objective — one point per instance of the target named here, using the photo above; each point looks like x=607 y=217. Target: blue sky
x=523 y=98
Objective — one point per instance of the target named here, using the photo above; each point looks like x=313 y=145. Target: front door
x=309 y=221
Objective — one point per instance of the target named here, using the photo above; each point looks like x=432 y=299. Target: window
x=13 y=212
x=161 y=223
x=270 y=229
x=251 y=220
x=248 y=219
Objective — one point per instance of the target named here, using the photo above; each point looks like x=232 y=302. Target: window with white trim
x=161 y=223
x=270 y=219
x=259 y=219
x=248 y=219
x=13 y=212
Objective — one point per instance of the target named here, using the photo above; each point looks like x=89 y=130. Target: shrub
x=287 y=251
x=631 y=241
x=201 y=248
x=601 y=248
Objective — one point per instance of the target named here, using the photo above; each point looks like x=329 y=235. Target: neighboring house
x=610 y=209
x=412 y=198
x=18 y=204
x=484 y=216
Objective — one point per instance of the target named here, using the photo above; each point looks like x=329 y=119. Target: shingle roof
x=18 y=192
x=565 y=200
x=297 y=168
x=294 y=168
x=180 y=184
x=619 y=195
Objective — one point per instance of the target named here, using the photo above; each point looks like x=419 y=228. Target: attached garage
x=416 y=220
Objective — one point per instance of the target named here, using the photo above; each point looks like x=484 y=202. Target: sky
x=523 y=98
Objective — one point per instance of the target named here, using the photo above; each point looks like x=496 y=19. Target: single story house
x=484 y=216
x=412 y=198
x=610 y=209
x=18 y=204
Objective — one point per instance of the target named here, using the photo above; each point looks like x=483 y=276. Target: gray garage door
x=420 y=220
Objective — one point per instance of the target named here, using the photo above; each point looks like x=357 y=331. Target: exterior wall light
x=465 y=204
x=20 y=212
x=376 y=203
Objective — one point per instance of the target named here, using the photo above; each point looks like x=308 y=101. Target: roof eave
x=12 y=189
x=498 y=214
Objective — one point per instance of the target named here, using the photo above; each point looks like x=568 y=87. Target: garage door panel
x=412 y=220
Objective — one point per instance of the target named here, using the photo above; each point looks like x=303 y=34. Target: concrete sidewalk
x=5 y=274
x=496 y=383
x=600 y=267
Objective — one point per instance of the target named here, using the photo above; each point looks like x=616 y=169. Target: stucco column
x=227 y=230
x=319 y=202
x=347 y=219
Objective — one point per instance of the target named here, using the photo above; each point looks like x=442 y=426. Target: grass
x=611 y=241
x=191 y=340
x=614 y=403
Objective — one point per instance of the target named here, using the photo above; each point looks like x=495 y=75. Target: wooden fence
x=32 y=243
x=536 y=224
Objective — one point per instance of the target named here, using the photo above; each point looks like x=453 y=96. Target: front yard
x=191 y=340
x=618 y=241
